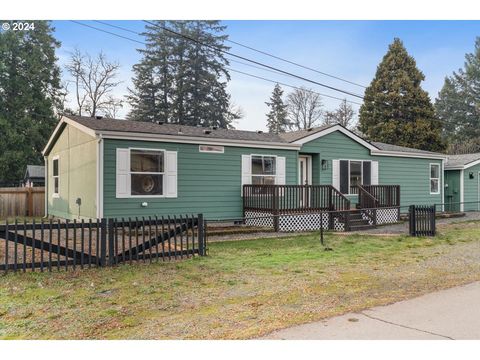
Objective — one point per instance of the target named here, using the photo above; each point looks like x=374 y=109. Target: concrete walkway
x=447 y=314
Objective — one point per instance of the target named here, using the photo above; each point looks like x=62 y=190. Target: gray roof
x=461 y=160
x=105 y=124
x=292 y=136
x=390 y=147
x=128 y=126
x=35 y=171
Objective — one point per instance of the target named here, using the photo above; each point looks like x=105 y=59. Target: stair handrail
x=343 y=202
x=366 y=199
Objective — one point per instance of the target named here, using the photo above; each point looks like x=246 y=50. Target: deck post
x=275 y=209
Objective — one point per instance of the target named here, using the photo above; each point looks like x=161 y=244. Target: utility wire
x=291 y=86
x=256 y=50
x=252 y=61
x=271 y=69
x=295 y=63
x=231 y=69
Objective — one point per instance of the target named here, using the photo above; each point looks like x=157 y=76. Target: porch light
x=324 y=164
x=470 y=175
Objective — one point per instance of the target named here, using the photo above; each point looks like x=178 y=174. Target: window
x=264 y=170
x=434 y=178
x=55 y=175
x=146 y=172
x=354 y=173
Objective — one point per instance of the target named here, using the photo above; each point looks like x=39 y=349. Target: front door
x=304 y=178
x=304 y=171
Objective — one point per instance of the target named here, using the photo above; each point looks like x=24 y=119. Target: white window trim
x=157 y=173
x=56 y=195
x=264 y=155
x=430 y=178
x=309 y=168
x=361 y=168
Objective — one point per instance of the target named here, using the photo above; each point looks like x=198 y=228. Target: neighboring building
x=119 y=168
x=462 y=187
x=34 y=176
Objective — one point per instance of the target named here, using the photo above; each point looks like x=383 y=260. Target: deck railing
x=365 y=199
x=385 y=195
x=293 y=198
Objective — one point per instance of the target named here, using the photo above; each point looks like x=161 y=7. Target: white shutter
x=374 y=179
x=281 y=170
x=171 y=174
x=246 y=171
x=336 y=174
x=123 y=178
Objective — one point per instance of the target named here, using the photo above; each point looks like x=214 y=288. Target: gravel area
x=402 y=228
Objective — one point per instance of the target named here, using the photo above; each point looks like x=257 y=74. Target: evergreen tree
x=277 y=121
x=458 y=102
x=30 y=95
x=181 y=81
x=396 y=109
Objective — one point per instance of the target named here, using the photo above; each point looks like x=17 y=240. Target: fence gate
x=421 y=220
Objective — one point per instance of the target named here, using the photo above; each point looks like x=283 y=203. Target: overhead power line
x=258 y=51
x=292 y=86
x=253 y=61
x=296 y=64
x=229 y=68
x=262 y=67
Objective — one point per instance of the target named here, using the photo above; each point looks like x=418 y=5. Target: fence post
x=201 y=235
x=29 y=201
x=411 y=220
x=275 y=209
x=103 y=241
x=433 y=224
x=111 y=242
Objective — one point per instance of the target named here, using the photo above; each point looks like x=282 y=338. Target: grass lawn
x=243 y=289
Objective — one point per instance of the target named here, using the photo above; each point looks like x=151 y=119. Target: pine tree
x=30 y=97
x=277 y=121
x=182 y=81
x=396 y=109
x=458 y=102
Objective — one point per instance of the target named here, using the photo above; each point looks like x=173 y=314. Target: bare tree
x=94 y=79
x=111 y=107
x=343 y=115
x=304 y=108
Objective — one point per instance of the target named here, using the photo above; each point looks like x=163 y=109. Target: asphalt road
x=443 y=315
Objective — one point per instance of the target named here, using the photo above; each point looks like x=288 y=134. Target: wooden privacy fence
x=421 y=220
x=26 y=201
x=104 y=242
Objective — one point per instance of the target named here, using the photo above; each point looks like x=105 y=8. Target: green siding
x=208 y=183
x=470 y=187
x=412 y=174
x=77 y=153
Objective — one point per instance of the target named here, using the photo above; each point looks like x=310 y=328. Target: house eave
x=407 y=154
x=195 y=140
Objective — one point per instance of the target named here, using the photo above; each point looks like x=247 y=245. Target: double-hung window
x=434 y=178
x=264 y=170
x=56 y=177
x=147 y=170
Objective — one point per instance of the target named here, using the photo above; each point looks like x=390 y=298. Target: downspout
x=443 y=185
x=99 y=176
x=462 y=189
x=45 y=160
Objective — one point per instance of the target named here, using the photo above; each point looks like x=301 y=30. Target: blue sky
x=348 y=49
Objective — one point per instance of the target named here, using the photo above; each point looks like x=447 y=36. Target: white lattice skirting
x=388 y=215
x=293 y=222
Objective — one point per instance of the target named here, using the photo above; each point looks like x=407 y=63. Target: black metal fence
x=421 y=220
x=103 y=242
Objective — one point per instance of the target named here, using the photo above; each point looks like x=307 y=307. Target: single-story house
x=99 y=167
x=34 y=176
x=462 y=182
